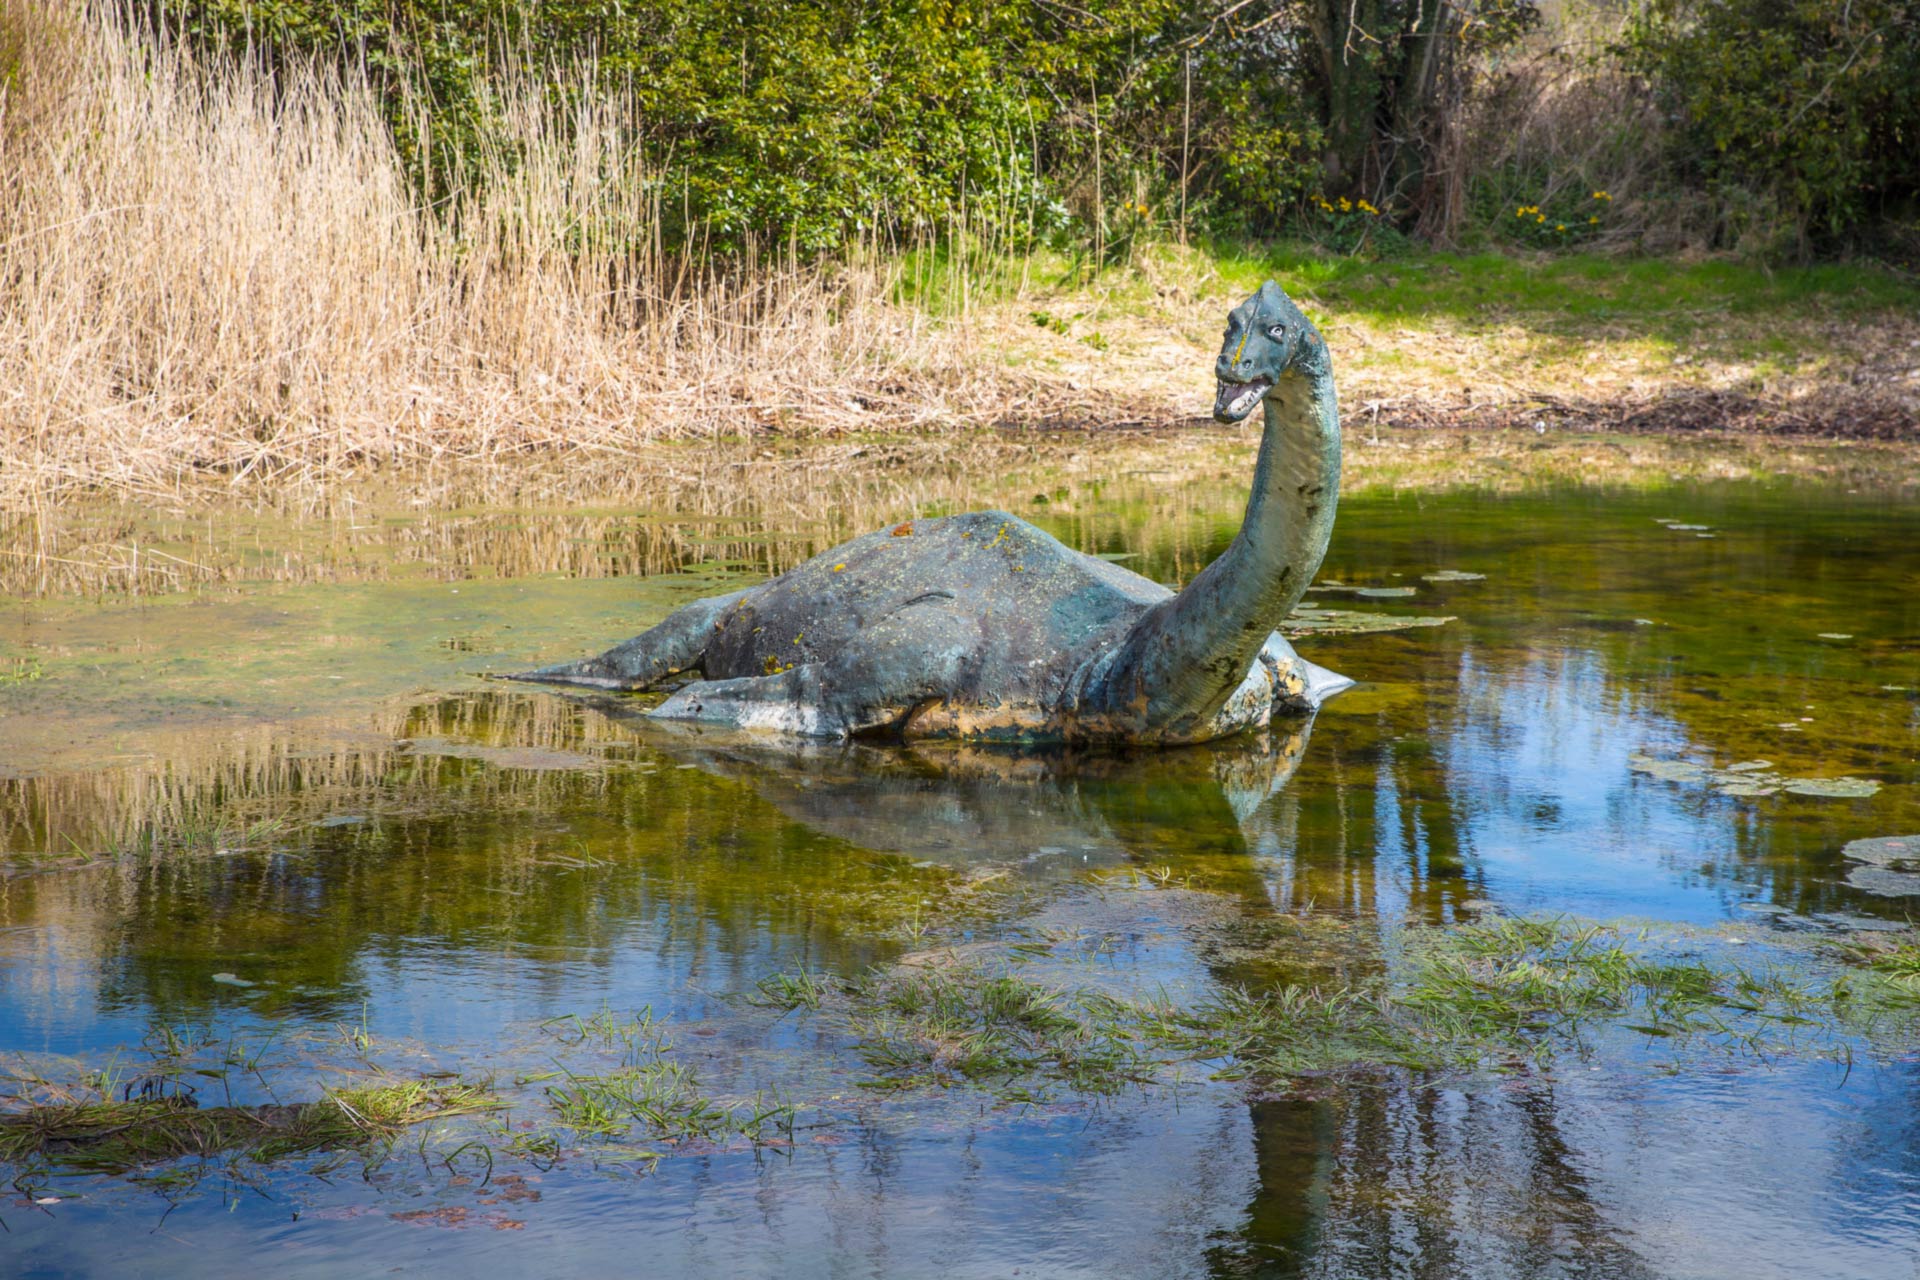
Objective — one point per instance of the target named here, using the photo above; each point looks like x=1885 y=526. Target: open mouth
x=1235 y=400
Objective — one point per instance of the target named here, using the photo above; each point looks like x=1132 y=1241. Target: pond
x=699 y=1005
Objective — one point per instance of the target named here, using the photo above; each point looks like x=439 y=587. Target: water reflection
x=455 y=866
x=960 y=803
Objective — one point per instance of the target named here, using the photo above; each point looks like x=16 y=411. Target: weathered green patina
x=983 y=626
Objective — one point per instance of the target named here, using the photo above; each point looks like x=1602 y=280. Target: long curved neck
x=1176 y=668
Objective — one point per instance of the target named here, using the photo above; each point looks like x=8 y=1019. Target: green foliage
x=813 y=123
x=1811 y=106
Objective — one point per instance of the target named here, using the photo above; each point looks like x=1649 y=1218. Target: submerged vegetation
x=1480 y=996
x=101 y=1126
x=1499 y=996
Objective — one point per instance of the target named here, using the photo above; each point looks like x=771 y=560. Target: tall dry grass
x=208 y=266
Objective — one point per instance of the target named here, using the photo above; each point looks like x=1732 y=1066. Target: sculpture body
x=983 y=626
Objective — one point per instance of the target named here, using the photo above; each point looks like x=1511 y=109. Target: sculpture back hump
x=1036 y=599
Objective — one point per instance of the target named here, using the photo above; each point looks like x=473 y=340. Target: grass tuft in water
x=1000 y=1030
x=85 y=1128
x=663 y=1099
x=800 y=989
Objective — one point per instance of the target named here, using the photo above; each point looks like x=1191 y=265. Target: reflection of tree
x=553 y=834
x=1382 y=1177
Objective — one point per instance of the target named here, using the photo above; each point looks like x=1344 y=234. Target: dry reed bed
x=204 y=267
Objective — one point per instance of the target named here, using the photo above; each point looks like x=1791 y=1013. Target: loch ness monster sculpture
x=982 y=626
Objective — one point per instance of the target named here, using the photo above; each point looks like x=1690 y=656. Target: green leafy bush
x=810 y=123
x=1807 y=107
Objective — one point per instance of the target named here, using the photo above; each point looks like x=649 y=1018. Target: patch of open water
x=392 y=863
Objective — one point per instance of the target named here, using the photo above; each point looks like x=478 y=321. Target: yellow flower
x=1601 y=195
x=1593 y=220
x=1345 y=204
x=1367 y=208
x=1559 y=226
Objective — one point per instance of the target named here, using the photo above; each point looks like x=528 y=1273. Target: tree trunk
x=1415 y=108
x=1347 y=32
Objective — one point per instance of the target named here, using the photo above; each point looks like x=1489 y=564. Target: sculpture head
x=1266 y=337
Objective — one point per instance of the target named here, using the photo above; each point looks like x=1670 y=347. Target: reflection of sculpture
x=957 y=803
x=983 y=626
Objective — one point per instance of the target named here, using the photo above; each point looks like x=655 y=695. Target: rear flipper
x=1299 y=687
x=676 y=645
x=902 y=661
x=787 y=702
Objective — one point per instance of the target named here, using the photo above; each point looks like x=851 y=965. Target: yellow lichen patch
x=841 y=567
x=939 y=718
x=903 y=530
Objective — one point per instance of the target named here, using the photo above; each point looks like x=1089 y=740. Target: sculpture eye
x=1277 y=331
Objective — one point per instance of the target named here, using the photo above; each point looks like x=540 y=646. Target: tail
x=676 y=645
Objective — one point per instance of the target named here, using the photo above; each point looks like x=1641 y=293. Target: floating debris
x=1890 y=866
x=1751 y=778
x=1367 y=593
x=233 y=980
x=1847 y=921
x=1689 y=528
x=1898 y=853
x=1837 y=788
x=1340 y=622
x=1835 y=635
x=1882 y=883
x=1669 y=770
x=1453 y=575
x=1765 y=908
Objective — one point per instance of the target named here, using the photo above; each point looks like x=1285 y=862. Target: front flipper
x=1299 y=687
x=676 y=645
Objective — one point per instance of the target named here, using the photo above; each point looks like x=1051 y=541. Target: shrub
x=1810 y=107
